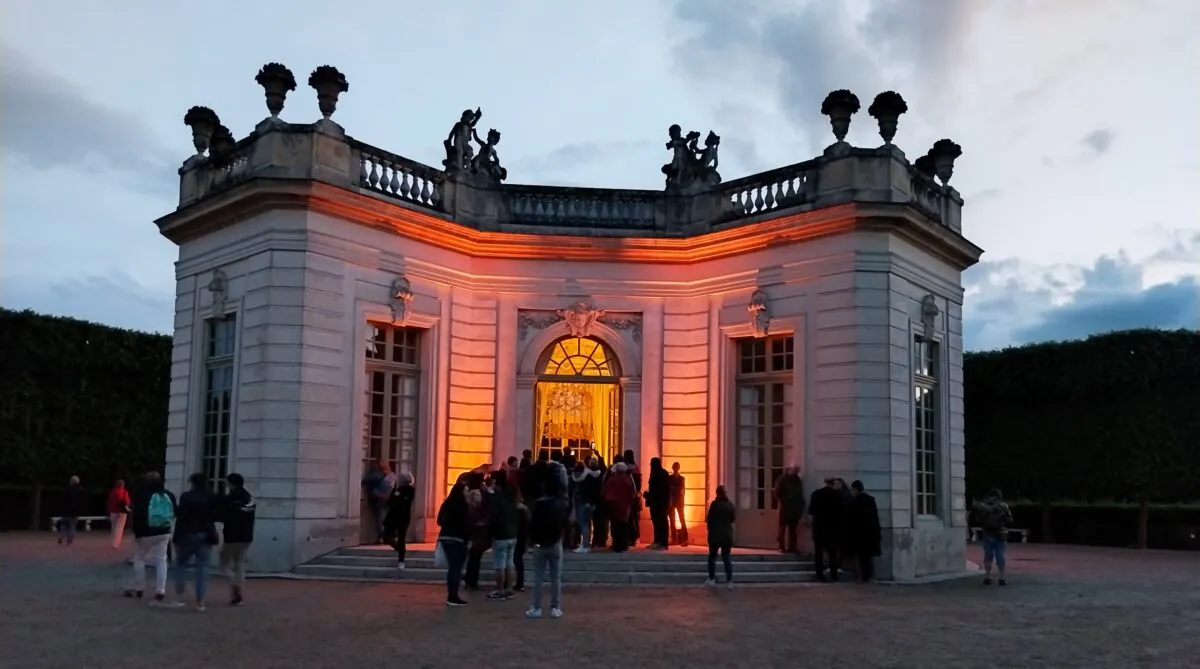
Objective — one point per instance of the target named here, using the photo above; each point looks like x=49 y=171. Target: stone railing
x=781 y=188
x=470 y=190
x=397 y=176
x=555 y=206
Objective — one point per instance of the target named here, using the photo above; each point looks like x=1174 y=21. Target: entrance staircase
x=639 y=566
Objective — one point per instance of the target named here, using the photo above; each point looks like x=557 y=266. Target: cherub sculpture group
x=691 y=167
x=460 y=155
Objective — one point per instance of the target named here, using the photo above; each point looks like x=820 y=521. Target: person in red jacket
x=619 y=494
x=118 y=510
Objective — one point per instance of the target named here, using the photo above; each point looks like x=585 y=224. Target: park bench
x=86 y=520
x=977 y=534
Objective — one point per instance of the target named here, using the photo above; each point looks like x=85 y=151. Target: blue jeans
x=548 y=557
x=993 y=550
x=192 y=548
x=503 y=551
x=583 y=516
x=378 y=514
x=456 y=557
x=66 y=529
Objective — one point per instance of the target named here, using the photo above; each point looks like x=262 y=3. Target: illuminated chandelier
x=566 y=400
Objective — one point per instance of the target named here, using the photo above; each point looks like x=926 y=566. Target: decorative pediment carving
x=218 y=285
x=760 y=313
x=580 y=318
x=399 y=298
x=630 y=322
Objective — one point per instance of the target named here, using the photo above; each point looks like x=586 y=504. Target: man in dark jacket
x=74 y=501
x=676 y=515
x=658 y=500
x=827 y=509
x=237 y=515
x=151 y=534
x=866 y=537
x=789 y=493
x=549 y=517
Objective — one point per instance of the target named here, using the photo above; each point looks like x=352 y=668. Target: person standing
x=658 y=500
x=549 y=517
x=399 y=516
x=503 y=525
x=118 y=510
x=454 y=521
x=634 y=527
x=377 y=486
x=720 y=519
x=994 y=518
x=866 y=536
x=237 y=518
x=74 y=501
x=619 y=494
x=587 y=495
x=675 y=514
x=789 y=494
x=153 y=517
x=826 y=511
x=195 y=535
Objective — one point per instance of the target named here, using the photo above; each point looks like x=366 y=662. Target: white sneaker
x=556 y=612
x=710 y=583
x=729 y=585
x=533 y=613
x=400 y=566
x=581 y=549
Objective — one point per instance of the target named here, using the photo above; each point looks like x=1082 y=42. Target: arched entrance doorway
x=578 y=399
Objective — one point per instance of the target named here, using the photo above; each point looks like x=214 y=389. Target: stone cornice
x=261 y=195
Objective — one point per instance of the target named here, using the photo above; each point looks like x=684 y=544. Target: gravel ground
x=1066 y=607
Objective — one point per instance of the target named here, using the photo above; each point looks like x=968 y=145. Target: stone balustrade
x=469 y=188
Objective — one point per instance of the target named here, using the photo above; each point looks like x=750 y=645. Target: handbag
x=439 y=557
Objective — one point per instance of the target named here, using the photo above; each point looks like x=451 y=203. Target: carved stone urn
x=924 y=165
x=202 y=121
x=943 y=154
x=222 y=140
x=886 y=109
x=839 y=106
x=277 y=81
x=329 y=84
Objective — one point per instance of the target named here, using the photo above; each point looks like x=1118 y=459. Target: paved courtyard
x=1067 y=607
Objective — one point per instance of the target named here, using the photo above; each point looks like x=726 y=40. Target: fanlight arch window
x=580 y=356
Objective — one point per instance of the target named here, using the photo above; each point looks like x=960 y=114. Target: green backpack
x=161 y=512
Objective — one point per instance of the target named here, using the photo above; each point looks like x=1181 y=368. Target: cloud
x=1099 y=141
x=49 y=122
x=114 y=298
x=1009 y=302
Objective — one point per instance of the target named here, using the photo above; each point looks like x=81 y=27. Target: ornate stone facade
x=359 y=280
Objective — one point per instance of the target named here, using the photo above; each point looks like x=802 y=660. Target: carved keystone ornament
x=398 y=300
x=929 y=313
x=218 y=285
x=760 y=313
x=580 y=318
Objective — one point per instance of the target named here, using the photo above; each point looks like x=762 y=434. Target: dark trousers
x=456 y=555
x=724 y=547
x=519 y=559
x=679 y=533
x=830 y=546
x=397 y=534
x=634 y=527
x=378 y=515
x=620 y=536
x=787 y=534
x=474 y=559
x=866 y=568
x=662 y=526
x=599 y=527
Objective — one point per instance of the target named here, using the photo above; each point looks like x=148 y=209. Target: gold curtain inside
x=579 y=416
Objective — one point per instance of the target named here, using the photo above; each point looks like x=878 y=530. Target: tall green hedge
x=79 y=398
x=1115 y=416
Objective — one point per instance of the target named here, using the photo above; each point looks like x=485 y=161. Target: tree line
x=1112 y=417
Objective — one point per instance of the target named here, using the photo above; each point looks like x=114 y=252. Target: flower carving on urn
x=329 y=84
x=886 y=109
x=839 y=106
x=760 y=313
x=277 y=81
x=943 y=154
x=580 y=318
x=203 y=121
x=399 y=298
x=222 y=140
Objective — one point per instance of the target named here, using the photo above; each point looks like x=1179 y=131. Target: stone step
x=431 y=575
x=640 y=554
x=576 y=563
